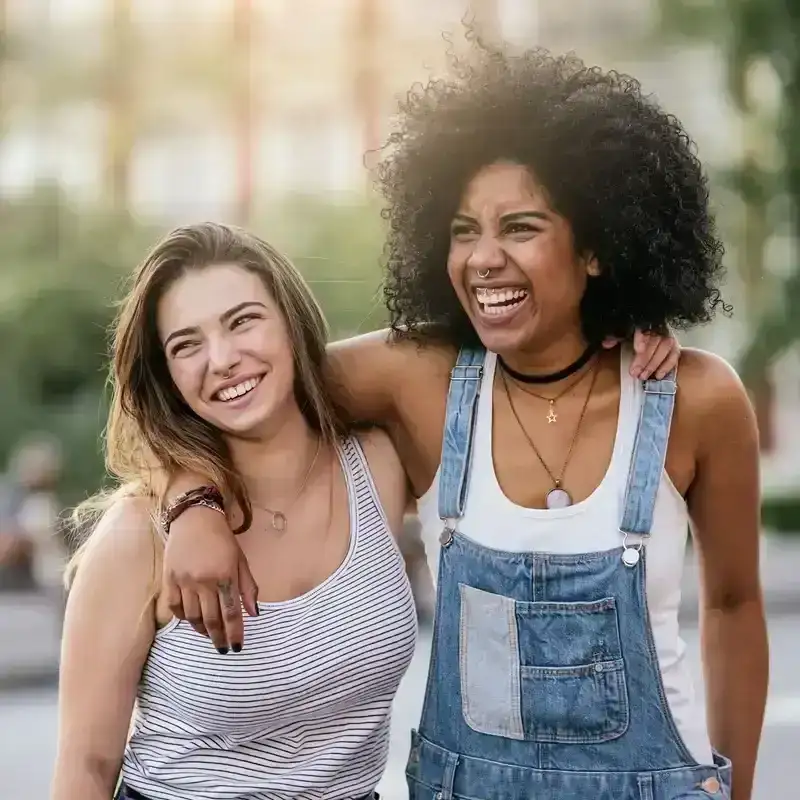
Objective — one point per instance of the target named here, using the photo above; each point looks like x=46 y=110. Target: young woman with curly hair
x=536 y=207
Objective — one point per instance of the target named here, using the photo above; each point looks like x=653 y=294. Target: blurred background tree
x=270 y=101
x=760 y=40
x=62 y=271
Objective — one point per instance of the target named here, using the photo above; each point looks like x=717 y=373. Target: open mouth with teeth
x=500 y=300
x=235 y=392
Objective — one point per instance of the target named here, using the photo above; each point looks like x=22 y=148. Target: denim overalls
x=544 y=681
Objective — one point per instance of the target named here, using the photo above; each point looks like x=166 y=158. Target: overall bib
x=544 y=681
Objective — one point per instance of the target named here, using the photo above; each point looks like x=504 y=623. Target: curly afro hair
x=619 y=169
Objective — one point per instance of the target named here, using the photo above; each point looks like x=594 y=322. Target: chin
x=504 y=340
x=246 y=424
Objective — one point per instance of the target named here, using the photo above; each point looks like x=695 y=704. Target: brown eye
x=520 y=227
x=239 y=321
x=180 y=347
x=460 y=231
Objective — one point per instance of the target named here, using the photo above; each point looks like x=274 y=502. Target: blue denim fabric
x=544 y=681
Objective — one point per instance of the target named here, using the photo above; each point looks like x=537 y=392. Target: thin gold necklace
x=552 y=415
x=279 y=521
x=557 y=497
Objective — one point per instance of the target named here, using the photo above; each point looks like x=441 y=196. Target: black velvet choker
x=553 y=377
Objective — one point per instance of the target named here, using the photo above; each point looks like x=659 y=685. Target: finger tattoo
x=226 y=594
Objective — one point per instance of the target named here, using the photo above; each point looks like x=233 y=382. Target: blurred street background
x=122 y=118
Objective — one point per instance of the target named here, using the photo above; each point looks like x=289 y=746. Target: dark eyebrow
x=506 y=218
x=525 y=214
x=225 y=316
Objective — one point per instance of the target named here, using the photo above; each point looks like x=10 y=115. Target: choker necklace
x=553 y=377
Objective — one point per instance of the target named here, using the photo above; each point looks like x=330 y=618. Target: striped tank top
x=303 y=712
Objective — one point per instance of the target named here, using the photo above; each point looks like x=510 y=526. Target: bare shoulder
x=707 y=374
x=711 y=391
x=387 y=473
x=122 y=550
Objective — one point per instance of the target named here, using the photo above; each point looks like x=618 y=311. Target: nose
x=223 y=355
x=486 y=254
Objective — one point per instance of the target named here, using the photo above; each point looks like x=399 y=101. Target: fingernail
x=636 y=371
x=237 y=648
x=223 y=651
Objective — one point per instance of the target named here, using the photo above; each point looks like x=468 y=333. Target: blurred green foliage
x=781 y=514
x=752 y=34
x=61 y=271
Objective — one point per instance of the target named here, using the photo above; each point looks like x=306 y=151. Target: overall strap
x=649 y=454
x=459 y=426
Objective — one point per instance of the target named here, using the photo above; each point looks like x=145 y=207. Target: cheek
x=552 y=272
x=188 y=380
x=456 y=270
x=274 y=348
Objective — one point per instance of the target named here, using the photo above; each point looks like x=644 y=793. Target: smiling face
x=513 y=264
x=227 y=348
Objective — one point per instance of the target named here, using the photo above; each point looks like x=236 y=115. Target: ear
x=592 y=267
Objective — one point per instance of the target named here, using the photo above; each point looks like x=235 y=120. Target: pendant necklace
x=552 y=415
x=279 y=521
x=557 y=497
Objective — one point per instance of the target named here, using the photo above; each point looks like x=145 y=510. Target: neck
x=273 y=466
x=549 y=358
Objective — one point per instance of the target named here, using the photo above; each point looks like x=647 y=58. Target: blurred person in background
x=218 y=358
x=16 y=549
x=536 y=207
x=30 y=529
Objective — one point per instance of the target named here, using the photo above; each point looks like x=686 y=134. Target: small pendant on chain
x=551 y=414
x=279 y=521
x=557 y=498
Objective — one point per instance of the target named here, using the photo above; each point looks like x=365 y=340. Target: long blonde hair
x=151 y=432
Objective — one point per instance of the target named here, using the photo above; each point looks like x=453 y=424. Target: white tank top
x=303 y=711
x=492 y=520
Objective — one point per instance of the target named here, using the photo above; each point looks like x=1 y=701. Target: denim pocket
x=541 y=671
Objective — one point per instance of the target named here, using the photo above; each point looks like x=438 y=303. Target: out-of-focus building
x=184 y=109
x=293 y=91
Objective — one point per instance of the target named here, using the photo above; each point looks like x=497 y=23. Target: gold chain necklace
x=279 y=521
x=552 y=416
x=557 y=497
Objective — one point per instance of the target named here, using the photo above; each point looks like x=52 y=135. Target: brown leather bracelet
x=205 y=496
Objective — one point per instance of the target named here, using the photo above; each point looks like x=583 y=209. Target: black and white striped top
x=302 y=713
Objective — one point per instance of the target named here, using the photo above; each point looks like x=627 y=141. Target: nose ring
x=483 y=273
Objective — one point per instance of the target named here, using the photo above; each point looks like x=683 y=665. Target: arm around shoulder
x=108 y=630
x=370 y=375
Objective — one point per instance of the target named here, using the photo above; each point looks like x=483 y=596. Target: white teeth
x=499 y=301
x=232 y=392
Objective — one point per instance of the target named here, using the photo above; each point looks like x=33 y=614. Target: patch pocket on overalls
x=543 y=671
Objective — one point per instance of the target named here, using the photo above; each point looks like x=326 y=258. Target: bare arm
x=370 y=374
x=108 y=631
x=374 y=379
x=724 y=503
x=365 y=374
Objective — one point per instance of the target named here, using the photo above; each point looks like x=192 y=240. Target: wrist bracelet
x=204 y=496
